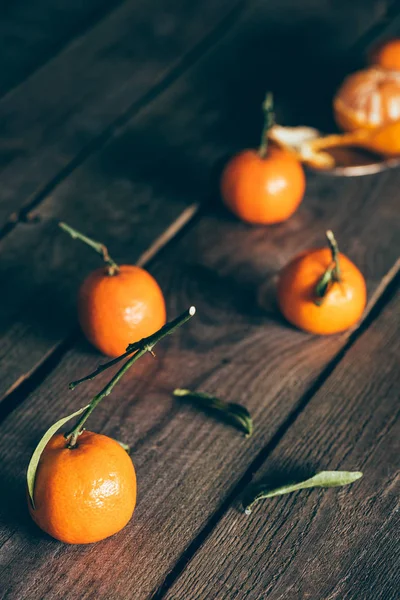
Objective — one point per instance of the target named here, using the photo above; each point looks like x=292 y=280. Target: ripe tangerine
x=265 y=186
x=263 y=190
x=119 y=309
x=117 y=305
x=85 y=494
x=317 y=296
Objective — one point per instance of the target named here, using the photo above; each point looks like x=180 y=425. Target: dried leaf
x=324 y=479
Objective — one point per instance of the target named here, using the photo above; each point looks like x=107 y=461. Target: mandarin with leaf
x=85 y=494
x=321 y=291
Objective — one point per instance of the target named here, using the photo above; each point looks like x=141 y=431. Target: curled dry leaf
x=324 y=479
x=234 y=413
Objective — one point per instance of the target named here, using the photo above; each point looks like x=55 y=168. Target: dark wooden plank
x=152 y=169
x=321 y=544
x=52 y=121
x=32 y=32
x=237 y=347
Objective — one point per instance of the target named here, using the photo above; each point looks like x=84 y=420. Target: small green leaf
x=123 y=445
x=234 y=413
x=324 y=284
x=324 y=479
x=33 y=463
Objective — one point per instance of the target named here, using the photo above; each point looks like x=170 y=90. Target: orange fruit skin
x=263 y=190
x=117 y=310
x=86 y=494
x=343 y=304
x=387 y=55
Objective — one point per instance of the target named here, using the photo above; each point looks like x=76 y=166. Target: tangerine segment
x=85 y=494
x=263 y=190
x=341 y=307
x=117 y=310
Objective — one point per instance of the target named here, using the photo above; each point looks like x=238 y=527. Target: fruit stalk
x=100 y=248
x=332 y=273
x=269 y=120
x=139 y=349
x=335 y=254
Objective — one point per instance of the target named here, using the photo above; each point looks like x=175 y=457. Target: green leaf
x=324 y=479
x=33 y=463
x=236 y=414
x=123 y=445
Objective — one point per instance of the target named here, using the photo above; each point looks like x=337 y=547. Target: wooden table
x=115 y=117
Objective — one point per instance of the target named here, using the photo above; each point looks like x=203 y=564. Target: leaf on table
x=33 y=463
x=235 y=414
x=324 y=479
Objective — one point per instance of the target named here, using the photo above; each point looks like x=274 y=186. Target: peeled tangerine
x=368 y=99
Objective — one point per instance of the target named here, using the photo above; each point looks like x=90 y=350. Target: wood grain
x=62 y=113
x=237 y=347
x=31 y=33
x=153 y=169
x=338 y=543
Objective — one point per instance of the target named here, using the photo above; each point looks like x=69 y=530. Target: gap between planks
x=27 y=383
x=379 y=300
x=187 y=61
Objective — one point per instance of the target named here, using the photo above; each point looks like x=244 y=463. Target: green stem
x=335 y=255
x=148 y=343
x=140 y=348
x=332 y=274
x=97 y=246
x=269 y=120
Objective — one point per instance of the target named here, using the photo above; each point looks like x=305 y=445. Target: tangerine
x=263 y=187
x=321 y=291
x=387 y=55
x=116 y=310
x=84 y=494
x=117 y=305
